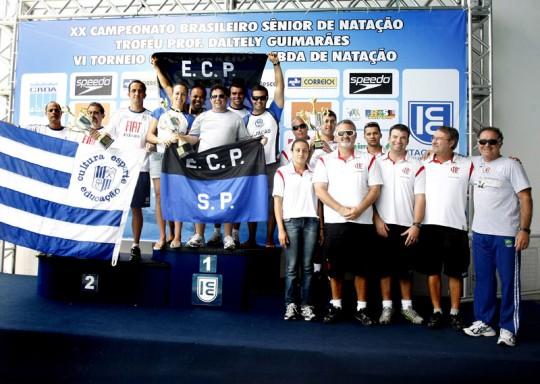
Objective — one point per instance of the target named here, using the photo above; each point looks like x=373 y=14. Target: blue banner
x=406 y=66
x=226 y=184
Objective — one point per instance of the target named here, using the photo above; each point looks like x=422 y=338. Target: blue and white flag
x=226 y=184
x=64 y=198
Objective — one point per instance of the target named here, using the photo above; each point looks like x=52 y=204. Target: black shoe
x=435 y=321
x=135 y=256
x=456 y=322
x=362 y=316
x=333 y=315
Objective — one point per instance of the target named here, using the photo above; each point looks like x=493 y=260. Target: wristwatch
x=417 y=224
x=526 y=230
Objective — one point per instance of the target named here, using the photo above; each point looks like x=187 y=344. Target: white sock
x=336 y=303
x=454 y=311
x=317 y=267
x=435 y=310
x=360 y=305
x=134 y=245
x=387 y=304
x=406 y=304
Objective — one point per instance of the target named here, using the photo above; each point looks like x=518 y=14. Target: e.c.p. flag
x=226 y=184
x=62 y=197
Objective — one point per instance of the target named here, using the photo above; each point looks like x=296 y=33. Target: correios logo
x=426 y=117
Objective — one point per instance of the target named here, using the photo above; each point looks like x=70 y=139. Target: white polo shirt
x=299 y=198
x=348 y=183
x=128 y=129
x=496 y=205
x=402 y=180
x=446 y=191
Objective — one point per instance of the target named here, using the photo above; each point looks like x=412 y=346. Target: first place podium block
x=210 y=277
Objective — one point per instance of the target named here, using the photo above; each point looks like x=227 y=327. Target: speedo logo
x=370 y=83
x=93 y=85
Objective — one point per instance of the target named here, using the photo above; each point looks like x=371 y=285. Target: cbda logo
x=426 y=117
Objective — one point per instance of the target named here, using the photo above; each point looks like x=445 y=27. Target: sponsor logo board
x=367 y=83
x=89 y=85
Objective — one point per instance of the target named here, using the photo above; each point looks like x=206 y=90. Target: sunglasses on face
x=345 y=133
x=489 y=141
x=54 y=110
x=257 y=98
x=299 y=126
x=219 y=96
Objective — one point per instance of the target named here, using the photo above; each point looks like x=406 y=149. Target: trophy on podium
x=314 y=119
x=83 y=123
x=184 y=148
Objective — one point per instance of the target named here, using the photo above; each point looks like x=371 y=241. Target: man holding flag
x=211 y=129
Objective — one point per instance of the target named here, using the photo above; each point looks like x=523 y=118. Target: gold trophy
x=183 y=148
x=314 y=120
x=83 y=123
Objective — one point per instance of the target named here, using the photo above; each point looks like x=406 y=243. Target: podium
x=182 y=277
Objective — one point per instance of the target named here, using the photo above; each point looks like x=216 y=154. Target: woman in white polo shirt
x=295 y=206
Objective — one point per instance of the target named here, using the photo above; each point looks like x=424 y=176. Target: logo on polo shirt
x=406 y=170
x=426 y=117
x=454 y=169
x=359 y=165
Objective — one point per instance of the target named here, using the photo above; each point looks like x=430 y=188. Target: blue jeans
x=302 y=233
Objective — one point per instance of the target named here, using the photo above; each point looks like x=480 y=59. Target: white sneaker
x=412 y=316
x=307 y=312
x=506 y=338
x=479 y=328
x=291 y=312
x=386 y=316
x=228 y=243
x=215 y=240
x=196 y=241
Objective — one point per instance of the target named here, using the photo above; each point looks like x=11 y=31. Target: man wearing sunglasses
x=264 y=121
x=501 y=228
x=444 y=241
x=214 y=128
x=300 y=131
x=348 y=183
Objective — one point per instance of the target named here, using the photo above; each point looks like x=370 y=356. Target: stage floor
x=52 y=341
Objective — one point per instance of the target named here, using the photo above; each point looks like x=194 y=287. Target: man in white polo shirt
x=348 y=183
x=501 y=229
x=399 y=212
x=444 y=238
